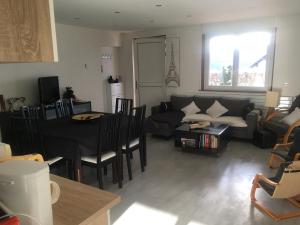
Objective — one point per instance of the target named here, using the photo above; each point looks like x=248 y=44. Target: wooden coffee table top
x=214 y=129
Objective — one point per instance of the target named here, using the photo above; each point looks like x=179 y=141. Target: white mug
x=55 y=192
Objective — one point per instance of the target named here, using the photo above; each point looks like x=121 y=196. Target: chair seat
x=283 y=154
x=104 y=157
x=53 y=160
x=132 y=143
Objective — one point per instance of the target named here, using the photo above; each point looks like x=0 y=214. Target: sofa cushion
x=276 y=127
x=204 y=102
x=173 y=118
x=233 y=121
x=178 y=102
x=216 y=109
x=197 y=118
x=236 y=107
x=165 y=107
x=190 y=109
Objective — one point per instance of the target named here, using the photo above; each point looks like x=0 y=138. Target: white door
x=150 y=70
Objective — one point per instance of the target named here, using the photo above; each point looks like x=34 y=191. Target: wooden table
x=80 y=204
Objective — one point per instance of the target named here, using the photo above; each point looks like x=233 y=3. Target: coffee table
x=209 y=140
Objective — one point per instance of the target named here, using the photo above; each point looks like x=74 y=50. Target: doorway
x=149 y=67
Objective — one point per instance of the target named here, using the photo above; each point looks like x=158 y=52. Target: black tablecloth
x=84 y=133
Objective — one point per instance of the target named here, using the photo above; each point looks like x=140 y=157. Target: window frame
x=234 y=88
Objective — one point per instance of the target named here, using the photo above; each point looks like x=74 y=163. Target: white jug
x=25 y=188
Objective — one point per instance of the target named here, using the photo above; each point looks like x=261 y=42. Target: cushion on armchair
x=292 y=117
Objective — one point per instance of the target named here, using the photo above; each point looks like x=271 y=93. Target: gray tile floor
x=188 y=189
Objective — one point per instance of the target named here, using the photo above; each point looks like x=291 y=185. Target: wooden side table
x=80 y=204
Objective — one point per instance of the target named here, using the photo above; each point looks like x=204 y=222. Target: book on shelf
x=186 y=142
x=207 y=141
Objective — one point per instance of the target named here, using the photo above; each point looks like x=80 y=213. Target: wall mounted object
x=172 y=62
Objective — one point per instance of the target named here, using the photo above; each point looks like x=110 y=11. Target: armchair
x=285 y=185
x=286 y=152
x=274 y=122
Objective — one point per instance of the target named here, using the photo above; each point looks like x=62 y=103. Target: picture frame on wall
x=172 y=78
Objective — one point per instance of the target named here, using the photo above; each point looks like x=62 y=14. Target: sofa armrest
x=155 y=110
x=252 y=121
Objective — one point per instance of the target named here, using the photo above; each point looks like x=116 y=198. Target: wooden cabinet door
x=27 y=31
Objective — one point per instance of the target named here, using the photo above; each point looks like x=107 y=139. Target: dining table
x=72 y=139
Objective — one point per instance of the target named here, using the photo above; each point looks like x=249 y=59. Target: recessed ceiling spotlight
x=158 y=5
x=117 y=12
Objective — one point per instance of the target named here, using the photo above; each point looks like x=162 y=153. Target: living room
x=208 y=76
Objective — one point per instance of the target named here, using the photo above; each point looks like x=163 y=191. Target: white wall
x=287 y=55
x=77 y=46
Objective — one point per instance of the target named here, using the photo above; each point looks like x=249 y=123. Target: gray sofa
x=168 y=115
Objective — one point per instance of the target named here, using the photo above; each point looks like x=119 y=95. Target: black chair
x=135 y=139
x=64 y=108
x=34 y=112
x=123 y=106
x=286 y=152
x=108 y=150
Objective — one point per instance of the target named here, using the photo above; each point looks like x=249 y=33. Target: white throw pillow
x=216 y=110
x=190 y=109
x=292 y=117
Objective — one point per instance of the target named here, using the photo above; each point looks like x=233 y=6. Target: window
x=241 y=62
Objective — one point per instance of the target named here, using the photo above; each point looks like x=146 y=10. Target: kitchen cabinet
x=27 y=31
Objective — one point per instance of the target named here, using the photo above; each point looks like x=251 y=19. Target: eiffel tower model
x=172 y=74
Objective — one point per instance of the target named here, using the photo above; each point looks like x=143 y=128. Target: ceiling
x=147 y=14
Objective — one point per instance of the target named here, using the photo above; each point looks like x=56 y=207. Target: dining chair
x=35 y=112
x=28 y=138
x=286 y=152
x=123 y=106
x=135 y=139
x=285 y=185
x=64 y=108
x=2 y=104
x=108 y=148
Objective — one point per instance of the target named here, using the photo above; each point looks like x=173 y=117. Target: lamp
x=272 y=98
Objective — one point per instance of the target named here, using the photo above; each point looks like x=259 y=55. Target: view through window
x=239 y=62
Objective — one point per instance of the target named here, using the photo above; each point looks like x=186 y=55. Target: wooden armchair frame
x=295 y=200
x=286 y=136
x=278 y=158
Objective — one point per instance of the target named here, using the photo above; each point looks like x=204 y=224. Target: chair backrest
x=289 y=184
x=295 y=148
x=123 y=106
x=2 y=104
x=136 y=122
x=34 y=112
x=64 y=108
x=109 y=133
x=26 y=135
